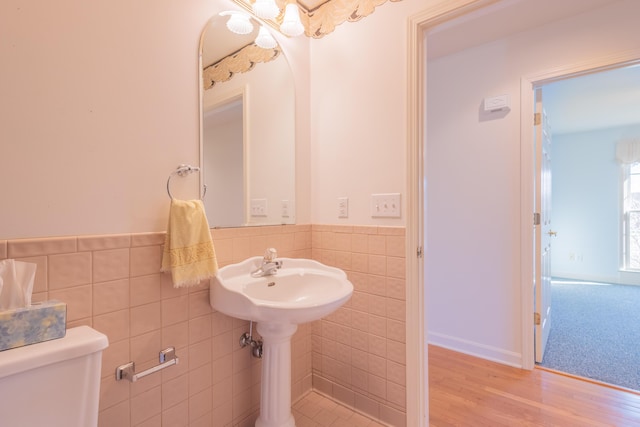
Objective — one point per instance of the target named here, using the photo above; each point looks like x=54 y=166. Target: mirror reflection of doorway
x=223 y=142
x=595 y=261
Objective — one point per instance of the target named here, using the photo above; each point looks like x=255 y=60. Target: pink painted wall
x=100 y=104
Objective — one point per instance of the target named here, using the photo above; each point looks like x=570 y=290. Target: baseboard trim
x=624 y=278
x=475 y=349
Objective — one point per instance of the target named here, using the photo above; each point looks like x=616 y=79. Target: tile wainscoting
x=112 y=283
x=358 y=352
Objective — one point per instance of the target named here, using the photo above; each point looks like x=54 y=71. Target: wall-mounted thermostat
x=496 y=103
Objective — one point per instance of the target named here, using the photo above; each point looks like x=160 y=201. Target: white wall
x=586 y=205
x=473 y=176
x=99 y=105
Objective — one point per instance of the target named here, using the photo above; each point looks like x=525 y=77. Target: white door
x=542 y=229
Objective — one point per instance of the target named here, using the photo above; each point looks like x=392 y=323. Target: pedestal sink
x=301 y=290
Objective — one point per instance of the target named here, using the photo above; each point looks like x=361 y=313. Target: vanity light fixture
x=238 y=23
x=291 y=25
x=265 y=9
x=265 y=40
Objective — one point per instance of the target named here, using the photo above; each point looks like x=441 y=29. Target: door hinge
x=537 y=119
x=536 y=218
x=420 y=252
x=536 y=318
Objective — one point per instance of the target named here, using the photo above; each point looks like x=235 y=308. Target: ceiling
x=593 y=101
x=499 y=20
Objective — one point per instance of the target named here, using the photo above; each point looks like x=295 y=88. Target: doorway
x=463 y=333
x=588 y=116
x=528 y=84
x=479 y=214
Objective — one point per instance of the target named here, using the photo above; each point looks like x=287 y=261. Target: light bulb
x=265 y=9
x=291 y=24
x=265 y=40
x=238 y=22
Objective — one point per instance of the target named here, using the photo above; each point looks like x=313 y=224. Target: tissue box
x=39 y=322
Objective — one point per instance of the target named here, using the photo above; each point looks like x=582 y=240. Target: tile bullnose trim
x=104 y=242
x=21 y=248
x=147 y=239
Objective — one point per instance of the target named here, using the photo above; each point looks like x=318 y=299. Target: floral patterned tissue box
x=42 y=321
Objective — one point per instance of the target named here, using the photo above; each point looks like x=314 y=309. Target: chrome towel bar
x=127 y=371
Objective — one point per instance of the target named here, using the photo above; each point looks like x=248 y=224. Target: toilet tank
x=54 y=383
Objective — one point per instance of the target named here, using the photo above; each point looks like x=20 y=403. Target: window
x=632 y=216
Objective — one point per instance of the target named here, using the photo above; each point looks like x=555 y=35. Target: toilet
x=53 y=383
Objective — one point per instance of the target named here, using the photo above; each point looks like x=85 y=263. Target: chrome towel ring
x=184 y=170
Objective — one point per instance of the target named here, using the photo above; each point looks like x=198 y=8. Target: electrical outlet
x=385 y=205
x=343 y=207
x=259 y=207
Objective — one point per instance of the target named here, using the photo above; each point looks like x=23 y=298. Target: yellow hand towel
x=188 y=249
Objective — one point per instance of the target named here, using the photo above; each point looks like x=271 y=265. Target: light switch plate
x=343 y=207
x=259 y=207
x=385 y=205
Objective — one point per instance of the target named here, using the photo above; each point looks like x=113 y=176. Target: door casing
x=527 y=98
x=417 y=391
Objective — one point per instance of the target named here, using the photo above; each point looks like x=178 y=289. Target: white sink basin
x=301 y=291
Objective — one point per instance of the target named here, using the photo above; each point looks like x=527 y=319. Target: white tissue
x=16 y=283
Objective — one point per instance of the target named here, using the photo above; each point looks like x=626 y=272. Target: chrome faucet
x=269 y=265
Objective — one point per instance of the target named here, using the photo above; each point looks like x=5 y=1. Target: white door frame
x=417 y=391
x=527 y=84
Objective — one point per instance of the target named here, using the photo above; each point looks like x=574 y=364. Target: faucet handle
x=270 y=254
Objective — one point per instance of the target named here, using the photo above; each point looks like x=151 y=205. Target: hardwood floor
x=467 y=391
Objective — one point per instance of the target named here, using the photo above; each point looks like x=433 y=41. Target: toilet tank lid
x=77 y=342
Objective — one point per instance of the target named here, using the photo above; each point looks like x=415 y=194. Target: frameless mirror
x=247 y=128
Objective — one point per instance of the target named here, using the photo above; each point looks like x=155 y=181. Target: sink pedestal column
x=275 y=397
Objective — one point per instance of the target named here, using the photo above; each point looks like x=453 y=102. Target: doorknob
x=552 y=233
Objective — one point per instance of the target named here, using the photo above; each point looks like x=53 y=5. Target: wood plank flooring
x=468 y=391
